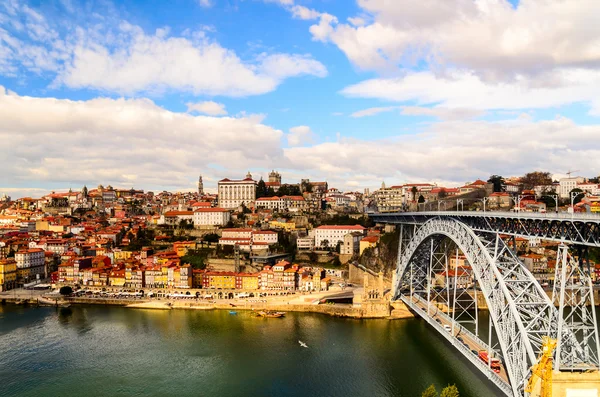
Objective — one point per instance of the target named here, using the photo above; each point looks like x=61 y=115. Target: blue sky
x=154 y=93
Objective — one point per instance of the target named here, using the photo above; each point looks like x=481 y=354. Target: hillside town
x=253 y=235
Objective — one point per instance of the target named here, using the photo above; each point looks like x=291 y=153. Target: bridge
x=430 y=281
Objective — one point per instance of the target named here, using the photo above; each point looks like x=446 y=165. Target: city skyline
x=127 y=94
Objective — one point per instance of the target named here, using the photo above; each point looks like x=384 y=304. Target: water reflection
x=120 y=352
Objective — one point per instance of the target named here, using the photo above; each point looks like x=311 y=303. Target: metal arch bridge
x=521 y=313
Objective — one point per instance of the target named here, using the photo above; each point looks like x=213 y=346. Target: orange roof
x=341 y=227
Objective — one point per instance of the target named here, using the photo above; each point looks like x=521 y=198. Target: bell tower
x=200 y=186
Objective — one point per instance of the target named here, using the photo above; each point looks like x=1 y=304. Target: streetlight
x=555 y=197
x=484 y=201
x=573 y=197
x=462 y=204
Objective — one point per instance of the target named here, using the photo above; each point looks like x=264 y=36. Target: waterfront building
x=31 y=264
x=234 y=193
x=8 y=274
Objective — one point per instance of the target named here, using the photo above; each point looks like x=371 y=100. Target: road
x=471 y=343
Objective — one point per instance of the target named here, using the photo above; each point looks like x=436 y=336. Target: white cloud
x=373 y=111
x=441 y=112
x=157 y=62
x=467 y=91
x=302 y=12
x=453 y=152
x=357 y=21
x=122 y=58
x=300 y=135
x=208 y=107
x=491 y=37
x=50 y=141
x=205 y=3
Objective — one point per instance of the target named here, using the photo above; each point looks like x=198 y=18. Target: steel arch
x=521 y=311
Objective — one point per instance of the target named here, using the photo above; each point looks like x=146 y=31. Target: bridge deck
x=580 y=229
x=419 y=306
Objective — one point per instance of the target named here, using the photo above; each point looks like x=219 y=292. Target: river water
x=113 y=351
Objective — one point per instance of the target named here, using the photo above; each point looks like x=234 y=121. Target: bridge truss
x=521 y=313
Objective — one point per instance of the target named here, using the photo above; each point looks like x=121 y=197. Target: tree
x=211 y=238
x=261 y=189
x=65 y=290
x=421 y=199
x=536 y=178
x=414 y=191
x=325 y=244
x=442 y=194
x=497 y=181
x=430 y=392
x=449 y=391
x=338 y=247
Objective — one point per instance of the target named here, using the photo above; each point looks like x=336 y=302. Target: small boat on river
x=270 y=314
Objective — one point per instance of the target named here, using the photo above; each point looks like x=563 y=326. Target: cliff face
x=382 y=257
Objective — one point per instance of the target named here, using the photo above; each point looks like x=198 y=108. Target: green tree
x=442 y=194
x=421 y=199
x=449 y=391
x=430 y=392
x=414 y=191
x=497 y=181
x=65 y=290
x=261 y=189
x=211 y=238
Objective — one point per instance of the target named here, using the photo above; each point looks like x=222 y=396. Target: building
x=173 y=218
x=351 y=243
x=368 y=242
x=459 y=277
x=204 y=217
x=8 y=274
x=565 y=185
x=328 y=236
x=305 y=243
x=200 y=186
x=31 y=264
x=234 y=193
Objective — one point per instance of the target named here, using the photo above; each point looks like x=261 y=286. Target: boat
x=44 y=301
x=232 y=312
x=270 y=314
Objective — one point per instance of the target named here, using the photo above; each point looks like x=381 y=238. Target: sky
x=151 y=94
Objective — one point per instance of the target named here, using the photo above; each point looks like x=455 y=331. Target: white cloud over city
x=134 y=142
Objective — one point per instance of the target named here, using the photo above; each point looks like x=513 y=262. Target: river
x=113 y=351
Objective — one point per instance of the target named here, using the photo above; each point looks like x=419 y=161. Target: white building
x=211 y=217
x=332 y=234
x=282 y=204
x=33 y=260
x=233 y=193
x=305 y=243
x=175 y=217
x=351 y=243
x=568 y=184
x=265 y=236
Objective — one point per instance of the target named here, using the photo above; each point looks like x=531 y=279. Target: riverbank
x=368 y=310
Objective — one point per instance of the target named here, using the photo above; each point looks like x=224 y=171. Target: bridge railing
x=530 y=215
x=475 y=360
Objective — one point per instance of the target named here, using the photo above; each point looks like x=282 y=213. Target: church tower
x=200 y=186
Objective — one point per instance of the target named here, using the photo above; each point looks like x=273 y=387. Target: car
x=475 y=352
x=438 y=320
x=460 y=339
x=447 y=328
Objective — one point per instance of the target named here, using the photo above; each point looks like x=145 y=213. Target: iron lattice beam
x=580 y=229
